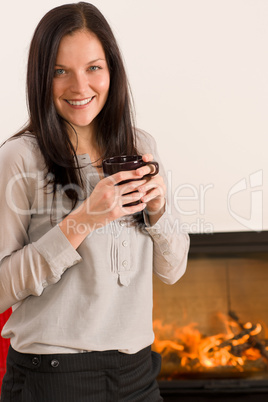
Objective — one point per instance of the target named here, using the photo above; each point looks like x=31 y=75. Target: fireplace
x=212 y=326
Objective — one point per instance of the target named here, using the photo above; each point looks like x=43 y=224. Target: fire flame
x=186 y=349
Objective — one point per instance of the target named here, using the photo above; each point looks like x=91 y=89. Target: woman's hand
x=154 y=191
x=109 y=199
x=107 y=202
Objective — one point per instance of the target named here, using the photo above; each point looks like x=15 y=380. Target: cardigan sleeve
x=25 y=268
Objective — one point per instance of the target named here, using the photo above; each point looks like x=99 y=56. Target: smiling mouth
x=80 y=103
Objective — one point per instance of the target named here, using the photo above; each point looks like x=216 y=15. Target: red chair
x=4 y=345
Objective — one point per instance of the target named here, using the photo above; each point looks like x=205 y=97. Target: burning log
x=252 y=340
x=238 y=342
x=238 y=350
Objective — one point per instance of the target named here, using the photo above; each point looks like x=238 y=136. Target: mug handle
x=156 y=168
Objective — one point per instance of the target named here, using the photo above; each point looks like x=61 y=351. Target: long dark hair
x=115 y=133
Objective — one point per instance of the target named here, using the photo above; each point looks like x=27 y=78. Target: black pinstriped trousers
x=108 y=376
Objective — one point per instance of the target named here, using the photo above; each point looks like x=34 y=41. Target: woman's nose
x=79 y=83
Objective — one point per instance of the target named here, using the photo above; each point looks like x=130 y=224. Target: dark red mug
x=124 y=163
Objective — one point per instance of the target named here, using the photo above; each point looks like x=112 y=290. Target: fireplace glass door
x=213 y=323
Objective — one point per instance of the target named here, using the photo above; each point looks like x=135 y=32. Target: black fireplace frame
x=210 y=390
x=215 y=390
x=228 y=243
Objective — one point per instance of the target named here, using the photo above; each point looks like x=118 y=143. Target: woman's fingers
x=148 y=169
x=155 y=186
x=131 y=186
x=131 y=197
x=130 y=210
x=119 y=177
x=147 y=157
x=145 y=170
x=154 y=193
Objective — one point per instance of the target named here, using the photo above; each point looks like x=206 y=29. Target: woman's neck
x=83 y=139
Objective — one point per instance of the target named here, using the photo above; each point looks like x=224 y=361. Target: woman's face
x=81 y=79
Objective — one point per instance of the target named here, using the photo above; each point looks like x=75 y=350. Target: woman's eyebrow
x=94 y=61
x=90 y=62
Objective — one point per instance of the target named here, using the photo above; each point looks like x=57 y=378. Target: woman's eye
x=94 y=68
x=59 y=72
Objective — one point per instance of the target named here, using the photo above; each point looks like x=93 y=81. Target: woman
x=76 y=260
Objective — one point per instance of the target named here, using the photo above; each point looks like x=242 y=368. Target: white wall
x=198 y=70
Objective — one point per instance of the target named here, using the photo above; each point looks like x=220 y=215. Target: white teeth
x=80 y=103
